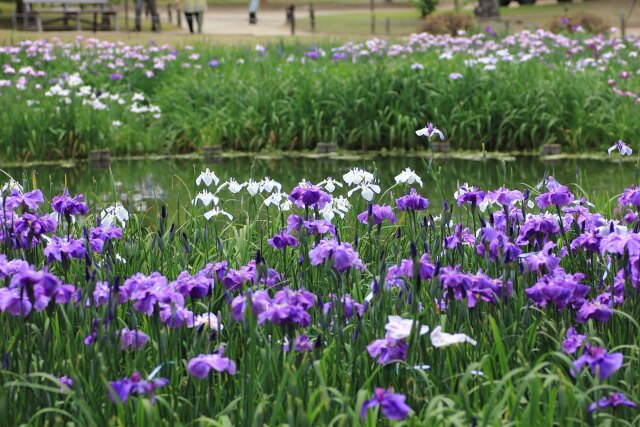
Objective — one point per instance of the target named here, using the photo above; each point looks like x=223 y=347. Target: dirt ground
x=233 y=20
x=227 y=23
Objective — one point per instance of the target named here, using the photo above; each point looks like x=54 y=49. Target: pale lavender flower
x=200 y=366
x=624 y=149
x=429 y=131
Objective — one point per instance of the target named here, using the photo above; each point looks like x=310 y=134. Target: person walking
x=253 y=9
x=151 y=8
x=194 y=8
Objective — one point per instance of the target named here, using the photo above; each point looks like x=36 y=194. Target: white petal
x=367 y=194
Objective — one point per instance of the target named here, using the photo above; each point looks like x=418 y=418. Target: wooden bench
x=69 y=10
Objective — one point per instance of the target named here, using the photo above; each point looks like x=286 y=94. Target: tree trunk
x=19 y=6
x=488 y=9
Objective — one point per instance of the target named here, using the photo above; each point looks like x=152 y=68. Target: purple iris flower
x=412 y=201
x=312 y=54
x=495 y=245
x=175 y=316
x=125 y=387
x=196 y=286
x=596 y=309
x=392 y=404
x=300 y=344
x=99 y=235
x=473 y=287
x=630 y=217
x=504 y=196
x=30 y=200
x=115 y=77
x=469 y=194
x=558 y=196
x=396 y=273
x=378 y=214
x=41 y=287
x=101 y=294
x=338 y=56
x=349 y=306
x=537 y=228
x=319 y=227
x=132 y=338
x=590 y=241
x=614 y=400
x=289 y=308
x=14 y=302
x=282 y=240
x=572 y=341
x=308 y=194
x=260 y=300
x=582 y=217
x=618 y=289
x=213 y=63
x=559 y=289
x=32 y=225
x=200 y=366
x=215 y=271
x=66 y=381
x=388 y=350
x=342 y=254
x=634 y=267
x=234 y=279
x=630 y=197
x=147 y=291
x=621 y=244
x=294 y=222
x=534 y=262
x=9 y=268
x=66 y=205
x=500 y=218
x=63 y=247
x=599 y=361
x=460 y=236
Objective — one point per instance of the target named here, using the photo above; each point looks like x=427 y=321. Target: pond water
x=144 y=185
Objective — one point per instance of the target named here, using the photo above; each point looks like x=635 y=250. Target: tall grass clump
x=63 y=100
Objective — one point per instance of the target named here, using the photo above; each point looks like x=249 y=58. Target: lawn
x=358 y=23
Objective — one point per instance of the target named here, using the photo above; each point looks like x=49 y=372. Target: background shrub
x=446 y=23
x=589 y=22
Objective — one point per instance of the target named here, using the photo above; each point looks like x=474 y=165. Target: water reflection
x=144 y=185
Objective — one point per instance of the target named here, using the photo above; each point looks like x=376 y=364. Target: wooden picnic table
x=70 y=10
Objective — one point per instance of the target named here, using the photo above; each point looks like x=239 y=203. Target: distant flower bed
x=349 y=299
x=61 y=100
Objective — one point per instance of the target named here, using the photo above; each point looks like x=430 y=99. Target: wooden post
x=387 y=25
x=100 y=158
x=312 y=17
x=212 y=152
x=373 y=24
x=293 y=21
x=126 y=15
x=169 y=10
x=623 y=27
